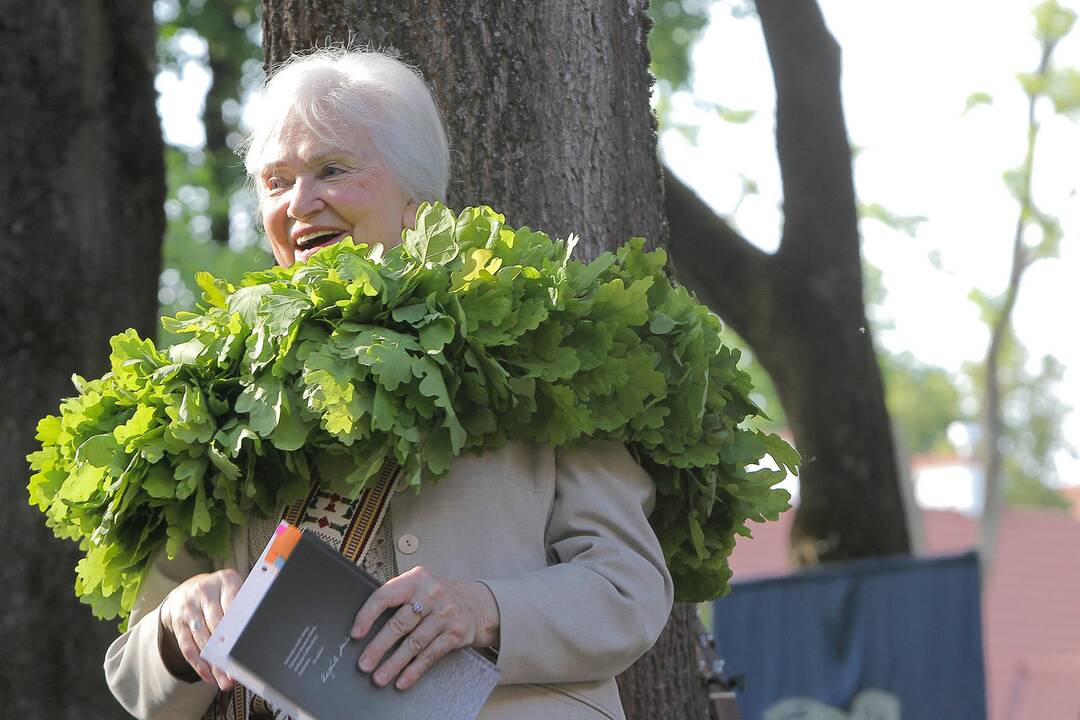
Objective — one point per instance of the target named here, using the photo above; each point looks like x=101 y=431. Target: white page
x=217 y=650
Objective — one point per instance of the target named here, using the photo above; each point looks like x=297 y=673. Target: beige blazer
x=560 y=537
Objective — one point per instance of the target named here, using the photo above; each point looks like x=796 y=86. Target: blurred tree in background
x=679 y=26
x=210 y=211
x=227 y=35
x=801 y=308
x=1032 y=414
x=1020 y=419
x=923 y=400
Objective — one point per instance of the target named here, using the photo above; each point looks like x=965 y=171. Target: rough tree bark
x=81 y=193
x=547 y=109
x=224 y=170
x=228 y=49
x=801 y=309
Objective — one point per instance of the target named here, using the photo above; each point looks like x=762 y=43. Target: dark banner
x=882 y=638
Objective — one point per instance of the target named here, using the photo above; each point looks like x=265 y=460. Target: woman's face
x=314 y=193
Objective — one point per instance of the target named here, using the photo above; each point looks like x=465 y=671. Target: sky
x=908 y=69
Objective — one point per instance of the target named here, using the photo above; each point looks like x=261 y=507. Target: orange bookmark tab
x=285 y=538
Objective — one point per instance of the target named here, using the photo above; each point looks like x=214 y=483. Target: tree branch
x=812 y=141
x=705 y=249
x=993 y=419
x=801 y=309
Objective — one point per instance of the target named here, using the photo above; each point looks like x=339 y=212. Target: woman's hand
x=452 y=614
x=189 y=614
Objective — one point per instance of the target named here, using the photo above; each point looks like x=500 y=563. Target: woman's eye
x=332 y=170
x=276 y=183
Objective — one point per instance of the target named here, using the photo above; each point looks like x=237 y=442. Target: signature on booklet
x=329 y=672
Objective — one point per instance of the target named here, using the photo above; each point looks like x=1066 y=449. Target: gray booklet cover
x=297 y=642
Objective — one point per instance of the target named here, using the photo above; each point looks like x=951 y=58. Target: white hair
x=333 y=90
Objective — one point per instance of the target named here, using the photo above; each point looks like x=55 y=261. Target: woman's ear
x=408 y=215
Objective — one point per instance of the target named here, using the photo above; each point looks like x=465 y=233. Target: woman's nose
x=306 y=199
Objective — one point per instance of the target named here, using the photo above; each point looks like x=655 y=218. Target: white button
x=408 y=543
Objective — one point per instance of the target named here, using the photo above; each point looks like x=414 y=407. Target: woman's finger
x=189 y=615
x=413 y=644
x=212 y=614
x=196 y=623
x=230 y=585
x=435 y=649
x=400 y=625
x=202 y=625
x=190 y=650
x=224 y=682
x=394 y=593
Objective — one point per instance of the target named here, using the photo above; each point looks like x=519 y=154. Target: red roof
x=1031 y=605
x=1045 y=687
x=941 y=459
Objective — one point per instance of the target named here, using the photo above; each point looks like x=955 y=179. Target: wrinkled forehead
x=297 y=142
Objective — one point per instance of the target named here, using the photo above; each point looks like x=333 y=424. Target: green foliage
x=677 y=25
x=1033 y=415
x=188 y=248
x=977 y=99
x=465 y=336
x=922 y=400
x=1063 y=89
x=906 y=224
x=772 y=418
x=1060 y=85
x=230 y=26
x=1052 y=21
x=1022 y=490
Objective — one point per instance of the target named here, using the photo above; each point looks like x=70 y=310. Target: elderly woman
x=543 y=556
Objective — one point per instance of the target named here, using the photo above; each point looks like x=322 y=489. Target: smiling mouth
x=311 y=244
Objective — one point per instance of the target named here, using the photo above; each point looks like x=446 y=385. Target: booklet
x=286 y=638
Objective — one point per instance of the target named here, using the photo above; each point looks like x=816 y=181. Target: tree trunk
x=801 y=310
x=547 y=109
x=993 y=418
x=225 y=171
x=81 y=193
